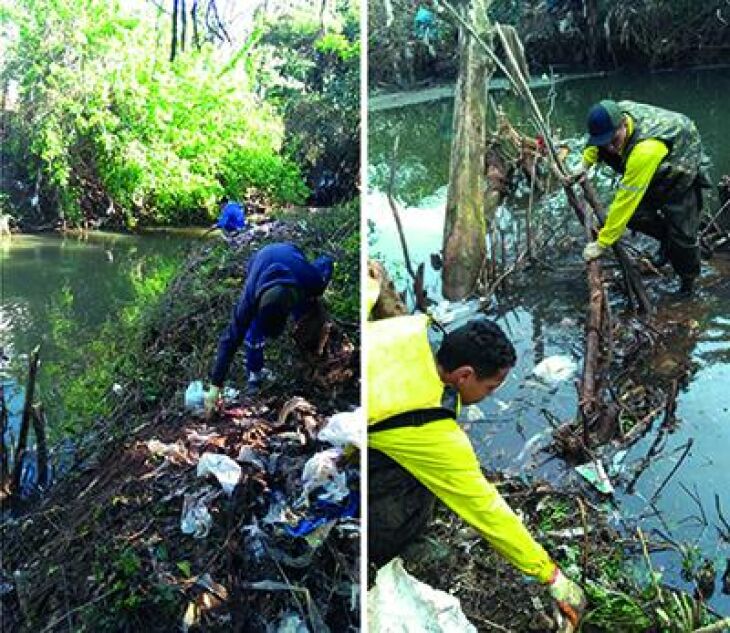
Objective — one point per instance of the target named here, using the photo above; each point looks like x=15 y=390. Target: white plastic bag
x=321 y=470
x=196 y=519
x=344 y=428
x=291 y=623
x=555 y=369
x=399 y=603
x=223 y=467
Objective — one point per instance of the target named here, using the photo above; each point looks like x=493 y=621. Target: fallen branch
x=674 y=470
x=396 y=215
x=24 y=425
x=726 y=535
x=39 y=429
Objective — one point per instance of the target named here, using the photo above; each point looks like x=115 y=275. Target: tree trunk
x=465 y=225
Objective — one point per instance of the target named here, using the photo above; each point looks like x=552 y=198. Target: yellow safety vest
x=402 y=376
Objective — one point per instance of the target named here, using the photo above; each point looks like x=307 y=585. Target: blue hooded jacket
x=232 y=217
x=275 y=264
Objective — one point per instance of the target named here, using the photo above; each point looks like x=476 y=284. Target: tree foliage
x=105 y=125
x=313 y=73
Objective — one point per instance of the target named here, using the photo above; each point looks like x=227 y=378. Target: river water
x=509 y=430
x=59 y=291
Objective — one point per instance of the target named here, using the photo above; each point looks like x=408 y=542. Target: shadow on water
x=545 y=318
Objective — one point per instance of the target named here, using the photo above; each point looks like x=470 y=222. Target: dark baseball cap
x=603 y=119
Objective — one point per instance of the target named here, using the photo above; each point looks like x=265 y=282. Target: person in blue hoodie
x=232 y=217
x=280 y=281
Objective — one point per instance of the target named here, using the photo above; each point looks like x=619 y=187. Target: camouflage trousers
x=399 y=508
x=673 y=218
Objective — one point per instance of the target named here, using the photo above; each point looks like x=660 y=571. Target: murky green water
x=425 y=129
x=59 y=291
x=545 y=319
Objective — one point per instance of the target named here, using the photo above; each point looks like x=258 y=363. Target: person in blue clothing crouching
x=232 y=218
x=280 y=281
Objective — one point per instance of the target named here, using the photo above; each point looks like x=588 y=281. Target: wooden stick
x=394 y=209
x=4 y=452
x=634 y=284
x=674 y=470
x=24 y=424
x=39 y=419
x=586 y=542
x=528 y=215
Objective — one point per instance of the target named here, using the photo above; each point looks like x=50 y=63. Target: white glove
x=210 y=399
x=593 y=250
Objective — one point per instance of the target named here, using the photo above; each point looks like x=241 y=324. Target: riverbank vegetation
x=411 y=43
x=123 y=115
x=103 y=550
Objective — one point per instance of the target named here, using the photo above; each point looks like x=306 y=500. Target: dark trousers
x=673 y=218
x=399 y=508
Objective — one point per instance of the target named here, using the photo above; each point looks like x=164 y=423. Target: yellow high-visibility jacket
x=641 y=165
x=402 y=377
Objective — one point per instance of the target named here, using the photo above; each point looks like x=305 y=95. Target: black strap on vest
x=419 y=417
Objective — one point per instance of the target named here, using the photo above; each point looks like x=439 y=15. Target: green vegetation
x=103 y=128
x=81 y=381
x=166 y=334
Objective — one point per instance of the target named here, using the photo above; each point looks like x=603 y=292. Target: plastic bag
x=196 y=519
x=399 y=603
x=223 y=467
x=344 y=428
x=555 y=369
x=321 y=471
x=291 y=623
x=194 y=396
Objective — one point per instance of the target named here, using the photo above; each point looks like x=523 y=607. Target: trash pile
x=251 y=519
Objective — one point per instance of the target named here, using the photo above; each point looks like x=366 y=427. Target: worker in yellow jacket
x=659 y=156
x=418 y=452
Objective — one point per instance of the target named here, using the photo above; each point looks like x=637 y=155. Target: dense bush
x=104 y=125
x=312 y=72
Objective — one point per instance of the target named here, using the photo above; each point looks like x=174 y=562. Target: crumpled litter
x=321 y=471
x=399 y=603
x=194 y=395
x=279 y=511
x=229 y=394
x=204 y=436
x=448 y=311
x=196 y=519
x=227 y=471
x=176 y=453
x=344 y=429
x=255 y=539
x=595 y=474
x=248 y=456
x=325 y=512
x=290 y=623
x=555 y=369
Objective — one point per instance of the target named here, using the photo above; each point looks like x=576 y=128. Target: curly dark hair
x=480 y=343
